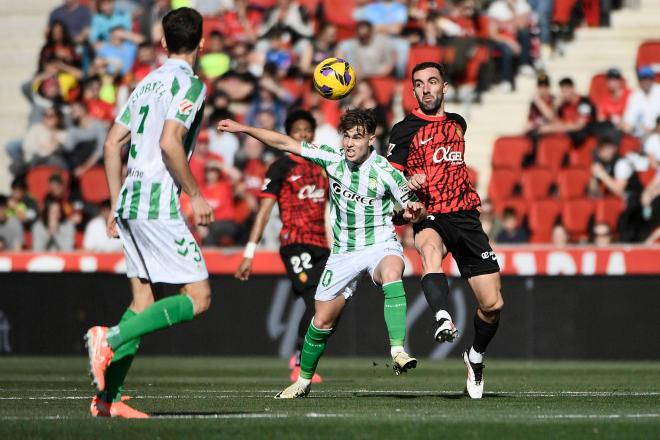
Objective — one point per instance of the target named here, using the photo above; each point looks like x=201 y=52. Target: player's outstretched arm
x=263 y=215
x=117 y=137
x=269 y=137
x=175 y=158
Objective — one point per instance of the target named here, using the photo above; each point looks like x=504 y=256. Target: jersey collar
x=177 y=62
x=420 y=114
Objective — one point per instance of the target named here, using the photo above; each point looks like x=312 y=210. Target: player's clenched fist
x=414 y=212
x=416 y=181
x=230 y=126
x=243 y=271
x=202 y=211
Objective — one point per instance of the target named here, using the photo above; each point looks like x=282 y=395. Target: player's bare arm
x=416 y=181
x=117 y=137
x=272 y=138
x=414 y=212
x=175 y=158
x=263 y=215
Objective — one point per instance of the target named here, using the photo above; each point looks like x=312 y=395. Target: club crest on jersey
x=459 y=132
x=312 y=193
x=341 y=190
x=373 y=183
x=444 y=154
x=185 y=107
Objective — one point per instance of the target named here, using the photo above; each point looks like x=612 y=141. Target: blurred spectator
x=652 y=145
x=20 y=204
x=202 y=155
x=145 y=62
x=107 y=18
x=56 y=83
x=59 y=46
x=543 y=10
x=97 y=107
x=57 y=192
x=214 y=62
x=511 y=232
x=218 y=191
x=363 y=98
x=323 y=46
x=325 y=133
x=241 y=22
x=610 y=107
x=118 y=52
x=643 y=106
x=541 y=110
x=509 y=29
x=96 y=238
x=290 y=21
x=575 y=114
x=75 y=17
x=370 y=53
x=601 y=235
x=150 y=23
x=223 y=144
x=559 y=236
x=42 y=140
x=489 y=222
x=388 y=17
x=83 y=142
x=239 y=83
x=11 y=229
x=52 y=231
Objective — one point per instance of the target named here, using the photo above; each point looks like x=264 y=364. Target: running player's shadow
x=443 y=395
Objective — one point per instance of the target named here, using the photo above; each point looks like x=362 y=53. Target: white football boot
x=474 y=384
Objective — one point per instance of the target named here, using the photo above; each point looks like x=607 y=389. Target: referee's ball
x=334 y=78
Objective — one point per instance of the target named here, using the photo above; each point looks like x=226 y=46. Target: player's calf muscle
x=200 y=294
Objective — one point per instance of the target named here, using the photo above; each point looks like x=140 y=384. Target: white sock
x=395 y=349
x=475 y=357
x=442 y=314
x=304 y=382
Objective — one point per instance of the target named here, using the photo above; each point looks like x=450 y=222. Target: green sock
x=161 y=314
x=395 y=311
x=121 y=363
x=313 y=348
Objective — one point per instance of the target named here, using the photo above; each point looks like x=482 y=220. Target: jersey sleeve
x=124 y=116
x=460 y=120
x=275 y=177
x=399 y=188
x=187 y=101
x=322 y=155
x=398 y=148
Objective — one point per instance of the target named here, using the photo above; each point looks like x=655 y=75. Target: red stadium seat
x=265 y=4
x=509 y=151
x=520 y=207
x=648 y=54
x=93 y=185
x=295 y=86
x=340 y=15
x=502 y=184
x=551 y=151
x=573 y=183
x=541 y=218
x=583 y=156
x=575 y=216
x=419 y=54
x=562 y=9
x=598 y=87
x=536 y=183
x=210 y=24
x=608 y=211
x=37 y=180
x=383 y=87
x=645 y=177
x=629 y=144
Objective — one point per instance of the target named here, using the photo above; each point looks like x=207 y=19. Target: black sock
x=436 y=291
x=483 y=333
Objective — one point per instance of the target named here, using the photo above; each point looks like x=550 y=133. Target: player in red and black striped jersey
x=300 y=188
x=429 y=146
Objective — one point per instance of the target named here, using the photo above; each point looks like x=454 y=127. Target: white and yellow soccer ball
x=334 y=78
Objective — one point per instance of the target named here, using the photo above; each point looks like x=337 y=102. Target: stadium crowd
x=257 y=64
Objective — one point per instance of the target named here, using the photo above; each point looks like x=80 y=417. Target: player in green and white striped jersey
x=160 y=121
x=364 y=189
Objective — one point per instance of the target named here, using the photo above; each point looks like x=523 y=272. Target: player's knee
x=492 y=307
x=201 y=297
x=390 y=276
x=322 y=322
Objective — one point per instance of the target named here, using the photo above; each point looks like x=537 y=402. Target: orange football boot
x=100 y=355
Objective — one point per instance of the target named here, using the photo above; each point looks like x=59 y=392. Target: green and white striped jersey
x=362 y=198
x=172 y=92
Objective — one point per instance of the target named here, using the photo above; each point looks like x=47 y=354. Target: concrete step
x=40 y=8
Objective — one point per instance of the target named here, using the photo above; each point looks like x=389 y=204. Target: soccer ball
x=334 y=78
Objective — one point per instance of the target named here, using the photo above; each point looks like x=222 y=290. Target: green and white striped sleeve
x=186 y=101
x=399 y=187
x=322 y=155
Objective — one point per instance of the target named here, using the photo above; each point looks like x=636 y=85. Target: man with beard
x=429 y=145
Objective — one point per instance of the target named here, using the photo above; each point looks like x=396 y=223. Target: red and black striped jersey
x=435 y=146
x=301 y=190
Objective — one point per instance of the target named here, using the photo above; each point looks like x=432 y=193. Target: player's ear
x=372 y=139
x=163 y=43
x=445 y=88
x=200 y=46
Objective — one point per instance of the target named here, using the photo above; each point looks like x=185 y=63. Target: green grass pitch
x=361 y=398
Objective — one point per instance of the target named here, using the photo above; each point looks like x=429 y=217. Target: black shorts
x=464 y=237
x=304 y=266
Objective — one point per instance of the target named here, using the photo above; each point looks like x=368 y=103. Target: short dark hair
x=19 y=182
x=297 y=115
x=429 y=65
x=183 y=30
x=566 y=82
x=356 y=117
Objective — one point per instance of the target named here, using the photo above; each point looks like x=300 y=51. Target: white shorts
x=343 y=271
x=161 y=251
